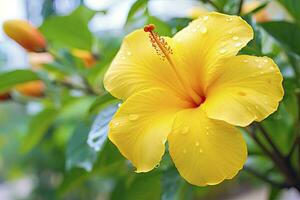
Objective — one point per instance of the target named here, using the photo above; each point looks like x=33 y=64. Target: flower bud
x=32 y=88
x=4 y=96
x=86 y=56
x=25 y=34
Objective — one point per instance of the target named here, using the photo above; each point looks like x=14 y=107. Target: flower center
x=164 y=51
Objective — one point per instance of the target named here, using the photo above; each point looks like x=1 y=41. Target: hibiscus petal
x=205 y=151
x=140 y=127
x=137 y=67
x=248 y=88
x=207 y=41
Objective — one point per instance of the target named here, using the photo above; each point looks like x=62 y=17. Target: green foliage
x=286 y=33
x=69 y=31
x=13 y=78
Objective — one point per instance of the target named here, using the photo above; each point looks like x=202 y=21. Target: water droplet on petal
x=197 y=143
x=265 y=60
x=203 y=29
x=262 y=72
x=259 y=66
x=238 y=44
x=129 y=53
x=123 y=57
x=205 y=18
x=207 y=133
x=222 y=50
x=185 y=130
x=184 y=151
x=200 y=151
x=256 y=60
x=229 y=19
x=194 y=30
x=235 y=37
x=133 y=117
x=245 y=61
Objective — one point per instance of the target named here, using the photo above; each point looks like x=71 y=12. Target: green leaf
x=293 y=7
x=286 y=33
x=101 y=102
x=13 y=78
x=37 y=128
x=138 y=188
x=99 y=130
x=274 y=193
x=137 y=6
x=171 y=183
x=79 y=153
x=69 y=31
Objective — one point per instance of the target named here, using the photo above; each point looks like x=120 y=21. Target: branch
x=240 y=7
x=269 y=140
x=265 y=178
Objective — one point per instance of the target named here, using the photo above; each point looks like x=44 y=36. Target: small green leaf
x=137 y=6
x=79 y=153
x=13 y=78
x=101 y=102
x=38 y=128
x=274 y=193
x=286 y=33
x=293 y=7
x=69 y=31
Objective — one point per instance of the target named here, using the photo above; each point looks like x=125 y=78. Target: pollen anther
x=158 y=43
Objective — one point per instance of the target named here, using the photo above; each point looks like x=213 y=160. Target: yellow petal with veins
x=140 y=127
x=247 y=88
x=137 y=67
x=207 y=41
x=205 y=151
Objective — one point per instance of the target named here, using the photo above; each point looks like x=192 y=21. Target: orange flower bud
x=4 y=96
x=25 y=34
x=260 y=16
x=86 y=56
x=36 y=60
x=33 y=88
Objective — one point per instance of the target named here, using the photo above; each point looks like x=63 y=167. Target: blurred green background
x=54 y=143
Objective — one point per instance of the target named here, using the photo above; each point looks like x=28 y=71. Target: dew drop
x=265 y=60
x=230 y=32
x=184 y=151
x=133 y=117
x=265 y=102
x=129 y=53
x=235 y=37
x=197 y=144
x=256 y=60
x=262 y=72
x=194 y=30
x=203 y=29
x=207 y=133
x=245 y=61
x=259 y=66
x=207 y=128
x=222 y=50
x=200 y=151
x=238 y=44
x=229 y=19
x=185 y=130
x=205 y=18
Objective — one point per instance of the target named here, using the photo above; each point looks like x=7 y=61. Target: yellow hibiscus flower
x=190 y=90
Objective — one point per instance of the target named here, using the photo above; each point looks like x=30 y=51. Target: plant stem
x=213 y=4
x=281 y=163
x=240 y=7
x=265 y=179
